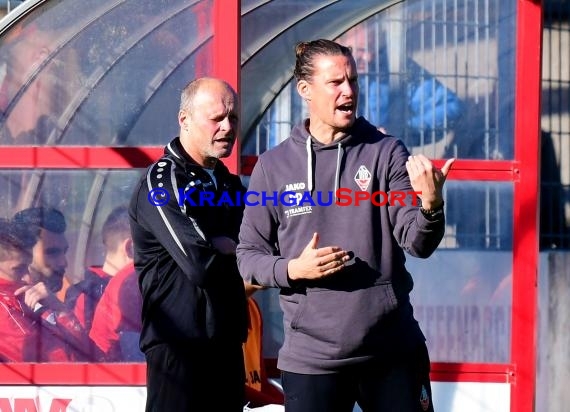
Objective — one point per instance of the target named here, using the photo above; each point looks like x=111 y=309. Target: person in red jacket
x=117 y=319
x=34 y=324
x=84 y=296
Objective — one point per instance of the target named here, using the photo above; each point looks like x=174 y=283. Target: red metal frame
x=447 y=372
x=522 y=171
x=481 y=170
x=77 y=157
x=117 y=374
x=525 y=236
x=227 y=61
x=471 y=372
x=74 y=374
x=81 y=157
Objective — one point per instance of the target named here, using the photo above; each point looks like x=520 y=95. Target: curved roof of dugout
x=270 y=30
x=117 y=63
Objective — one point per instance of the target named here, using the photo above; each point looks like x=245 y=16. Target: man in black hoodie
x=194 y=312
x=350 y=333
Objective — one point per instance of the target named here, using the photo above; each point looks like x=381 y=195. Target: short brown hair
x=116 y=227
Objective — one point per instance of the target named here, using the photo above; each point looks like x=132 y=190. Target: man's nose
x=62 y=261
x=348 y=88
x=226 y=124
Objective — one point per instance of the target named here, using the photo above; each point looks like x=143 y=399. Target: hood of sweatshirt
x=358 y=133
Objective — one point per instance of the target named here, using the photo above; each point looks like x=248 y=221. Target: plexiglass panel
x=101 y=72
x=437 y=74
x=462 y=301
x=86 y=198
x=479 y=215
x=462 y=294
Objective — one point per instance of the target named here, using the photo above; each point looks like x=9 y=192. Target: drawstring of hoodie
x=309 y=165
x=337 y=172
x=310 y=183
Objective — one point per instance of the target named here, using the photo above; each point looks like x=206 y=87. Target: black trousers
x=397 y=384
x=183 y=380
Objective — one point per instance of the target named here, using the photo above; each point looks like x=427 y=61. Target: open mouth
x=346 y=108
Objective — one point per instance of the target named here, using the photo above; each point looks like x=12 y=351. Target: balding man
x=185 y=229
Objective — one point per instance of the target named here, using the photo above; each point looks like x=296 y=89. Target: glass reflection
x=462 y=294
x=94 y=81
x=438 y=75
x=479 y=215
x=84 y=243
x=462 y=301
x=38 y=81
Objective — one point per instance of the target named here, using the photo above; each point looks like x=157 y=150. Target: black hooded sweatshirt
x=363 y=311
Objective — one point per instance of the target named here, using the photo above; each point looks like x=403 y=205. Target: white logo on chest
x=363 y=178
x=294 y=186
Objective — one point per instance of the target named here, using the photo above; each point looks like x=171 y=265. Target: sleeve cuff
x=432 y=216
x=280 y=272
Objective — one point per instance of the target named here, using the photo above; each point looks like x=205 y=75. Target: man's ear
x=128 y=247
x=183 y=119
x=304 y=90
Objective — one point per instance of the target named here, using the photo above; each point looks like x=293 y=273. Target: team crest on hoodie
x=363 y=178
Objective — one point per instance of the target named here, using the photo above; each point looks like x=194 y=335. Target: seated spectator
x=259 y=391
x=117 y=321
x=431 y=109
x=38 y=81
x=49 y=260
x=35 y=325
x=84 y=296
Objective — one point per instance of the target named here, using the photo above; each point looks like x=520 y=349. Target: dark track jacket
x=84 y=296
x=362 y=312
x=191 y=293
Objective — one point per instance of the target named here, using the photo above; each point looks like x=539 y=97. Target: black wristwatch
x=431 y=213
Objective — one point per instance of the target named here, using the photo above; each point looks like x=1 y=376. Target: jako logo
x=294 y=186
